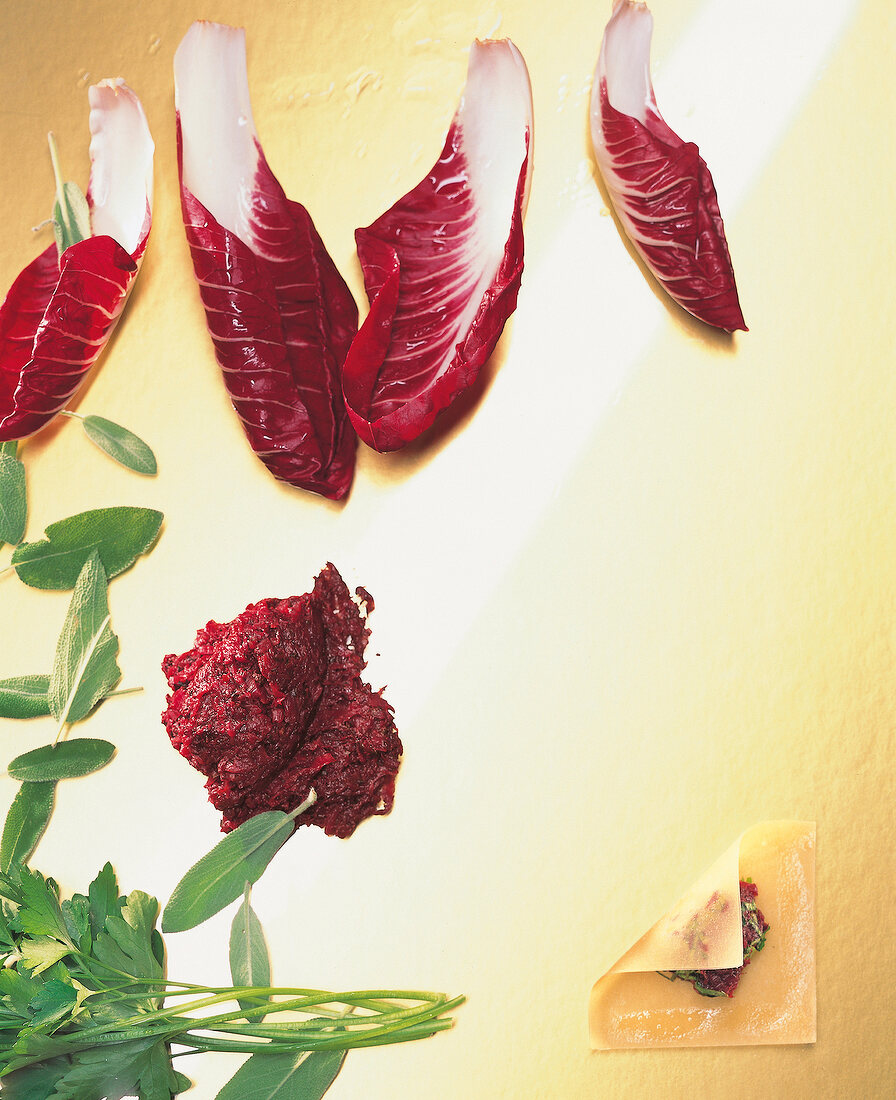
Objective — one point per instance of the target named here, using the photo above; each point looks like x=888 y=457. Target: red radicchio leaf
x=659 y=185
x=272 y=704
x=442 y=267
x=280 y=315
x=60 y=311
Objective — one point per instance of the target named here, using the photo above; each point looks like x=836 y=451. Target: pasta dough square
x=633 y=1006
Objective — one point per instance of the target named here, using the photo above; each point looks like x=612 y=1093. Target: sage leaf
x=85 y=669
x=71 y=217
x=9 y=447
x=250 y=964
x=24 y=696
x=284 y=1076
x=13 y=500
x=220 y=876
x=71 y=214
x=26 y=820
x=118 y=535
x=120 y=444
x=65 y=760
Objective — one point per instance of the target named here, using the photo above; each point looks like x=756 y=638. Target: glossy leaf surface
x=60 y=311
x=659 y=185
x=279 y=313
x=442 y=268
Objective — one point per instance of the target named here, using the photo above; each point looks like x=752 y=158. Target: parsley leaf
x=40 y=913
x=83 y=1009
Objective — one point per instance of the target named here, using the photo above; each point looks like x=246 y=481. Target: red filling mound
x=272 y=704
x=723 y=982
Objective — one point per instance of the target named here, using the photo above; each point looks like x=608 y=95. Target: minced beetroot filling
x=272 y=704
x=723 y=982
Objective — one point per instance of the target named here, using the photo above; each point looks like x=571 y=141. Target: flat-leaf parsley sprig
x=86 y=1009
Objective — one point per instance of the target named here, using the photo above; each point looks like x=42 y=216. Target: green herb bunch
x=86 y=1011
x=79 y=553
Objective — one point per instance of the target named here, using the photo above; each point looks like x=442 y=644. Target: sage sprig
x=117 y=535
x=220 y=876
x=250 y=963
x=71 y=214
x=13 y=497
x=84 y=672
x=65 y=760
x=118 y=443
x=86 y=1008
x=297 y=1076
x=85 y=669
x=25 y=823
x=24 y=696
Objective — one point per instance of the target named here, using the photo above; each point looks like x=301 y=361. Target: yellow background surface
x=634 y=595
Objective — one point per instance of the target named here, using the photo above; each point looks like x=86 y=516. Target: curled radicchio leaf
x=442 y=267
x=280 y=315
x=60 y=311
x=272 y=704
x=659 y=185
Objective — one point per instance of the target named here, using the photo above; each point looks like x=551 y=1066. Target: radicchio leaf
x=659 y=184
x=61 y=310
x=280 y=315
x=442 y=267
